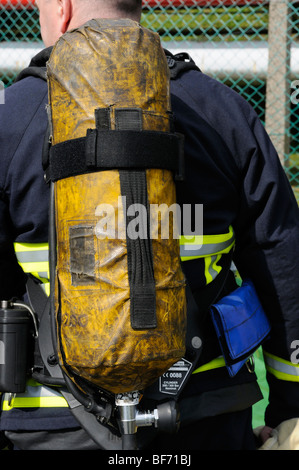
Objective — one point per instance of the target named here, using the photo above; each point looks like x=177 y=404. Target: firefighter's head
x=58 y=16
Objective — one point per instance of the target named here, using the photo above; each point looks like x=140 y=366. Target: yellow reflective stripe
x=201 y=246
x=35 y=396
x=30 y=247
x=46 y=286
x=34 y=258
x=211 y=268
x=214 y=364
x=41 y=402
x=35 y=267
x=33 y=383
x=280 y=368
x=208 y=239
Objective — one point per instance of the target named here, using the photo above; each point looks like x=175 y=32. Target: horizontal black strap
x=110 y=149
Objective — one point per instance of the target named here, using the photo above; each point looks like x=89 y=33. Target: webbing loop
x=214 y=364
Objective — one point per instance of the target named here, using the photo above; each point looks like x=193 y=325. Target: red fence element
x=10 y=4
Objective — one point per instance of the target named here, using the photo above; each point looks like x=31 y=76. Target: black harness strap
x=179 y=63
x=123 y=149
x=37 y=66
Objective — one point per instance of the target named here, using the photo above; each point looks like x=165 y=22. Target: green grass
x=259 y=408
x=229 y=23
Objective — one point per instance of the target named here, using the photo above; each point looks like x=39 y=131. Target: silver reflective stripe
x=43 y=274
x=280 y=368
x=202 y=246
x=211 y=268
x=32 y=256
x=200 y=251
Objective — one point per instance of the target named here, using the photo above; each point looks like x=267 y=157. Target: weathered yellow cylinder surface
x=111 y=64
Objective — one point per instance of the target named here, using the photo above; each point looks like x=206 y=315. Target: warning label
x=172 y=381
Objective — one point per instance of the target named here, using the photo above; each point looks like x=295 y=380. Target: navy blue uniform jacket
x=231 y=168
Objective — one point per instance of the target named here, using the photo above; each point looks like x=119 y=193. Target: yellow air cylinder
x=111 y=65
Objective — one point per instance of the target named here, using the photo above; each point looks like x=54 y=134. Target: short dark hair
x=126 y=6
x=114 y=8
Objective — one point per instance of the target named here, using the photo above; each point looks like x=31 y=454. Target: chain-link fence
x=250 y=45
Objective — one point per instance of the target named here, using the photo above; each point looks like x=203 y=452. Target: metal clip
x=11 y=397
x=23 y=305
x=250 y=365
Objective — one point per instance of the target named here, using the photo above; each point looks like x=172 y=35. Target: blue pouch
x=241 y=325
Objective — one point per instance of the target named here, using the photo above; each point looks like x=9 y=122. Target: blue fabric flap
x=241 y=325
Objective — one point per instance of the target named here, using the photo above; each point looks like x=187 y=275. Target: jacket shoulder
x=27 y=92
x=20 y=116
x=199 y=88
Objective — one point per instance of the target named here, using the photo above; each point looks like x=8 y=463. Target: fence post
x=277 y=91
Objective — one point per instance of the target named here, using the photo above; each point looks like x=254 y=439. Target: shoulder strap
x=37 y=66
x=179 y=63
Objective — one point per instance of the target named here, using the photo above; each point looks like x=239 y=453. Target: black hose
x=52 y=261
x=87 y=401
x=80 y=396
x=47 y=380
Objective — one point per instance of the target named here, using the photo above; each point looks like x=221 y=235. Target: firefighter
x=231 y=169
